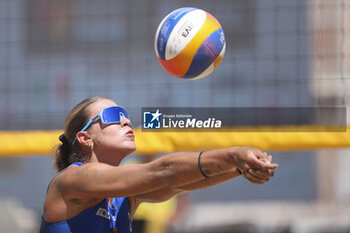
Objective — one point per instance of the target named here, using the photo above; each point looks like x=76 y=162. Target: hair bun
x=63 y=139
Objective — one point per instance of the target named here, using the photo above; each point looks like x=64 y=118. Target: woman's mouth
x=130 y=133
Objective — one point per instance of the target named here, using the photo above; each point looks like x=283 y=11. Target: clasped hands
x=254 y=165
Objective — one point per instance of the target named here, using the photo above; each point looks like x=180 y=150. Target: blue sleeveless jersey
x=101 y=218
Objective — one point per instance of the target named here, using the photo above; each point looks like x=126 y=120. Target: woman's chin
x=130 y=148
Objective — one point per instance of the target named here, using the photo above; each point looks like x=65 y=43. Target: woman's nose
x=125 y=122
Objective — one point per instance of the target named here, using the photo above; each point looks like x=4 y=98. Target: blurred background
x=55 y=53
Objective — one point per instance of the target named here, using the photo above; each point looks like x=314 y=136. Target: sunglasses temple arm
x=86 y=126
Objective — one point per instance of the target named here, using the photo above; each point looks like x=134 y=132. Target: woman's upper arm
x=102 y=180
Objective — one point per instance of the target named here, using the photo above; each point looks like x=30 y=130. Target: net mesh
x=56 y=53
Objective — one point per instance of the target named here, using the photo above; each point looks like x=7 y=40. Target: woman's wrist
x=234 y=156
x=200 y=165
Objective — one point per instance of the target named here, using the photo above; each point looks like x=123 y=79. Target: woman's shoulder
x=77 y=177
x=63 y=184
x=61 y=195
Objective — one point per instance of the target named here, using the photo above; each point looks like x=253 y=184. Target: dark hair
x=67 y=153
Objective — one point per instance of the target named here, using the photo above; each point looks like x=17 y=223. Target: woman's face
x=116 y=138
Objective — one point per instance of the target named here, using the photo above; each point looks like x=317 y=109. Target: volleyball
x=189 y=43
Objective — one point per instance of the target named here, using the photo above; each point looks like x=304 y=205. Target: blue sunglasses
x=108 y=115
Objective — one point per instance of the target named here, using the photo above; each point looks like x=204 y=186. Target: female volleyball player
x=91 y=193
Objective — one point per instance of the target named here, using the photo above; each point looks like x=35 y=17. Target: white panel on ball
x=176 y=42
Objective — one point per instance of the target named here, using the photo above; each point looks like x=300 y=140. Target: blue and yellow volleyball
x=189 y=43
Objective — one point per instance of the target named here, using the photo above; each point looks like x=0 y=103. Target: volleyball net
x=38 y=143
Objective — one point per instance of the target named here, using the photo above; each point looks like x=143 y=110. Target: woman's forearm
x=180 y=169
x=212 y=181
x=180 y=172
x=164 y=194
x=183 y=168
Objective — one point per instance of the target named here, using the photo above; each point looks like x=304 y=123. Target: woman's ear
x=84 y=138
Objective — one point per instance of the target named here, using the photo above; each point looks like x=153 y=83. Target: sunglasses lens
x=113 y=114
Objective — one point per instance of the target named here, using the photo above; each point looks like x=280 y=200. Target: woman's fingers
x=256 y=163
x=269 y=158
x=256 y=177
x=263 y=173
